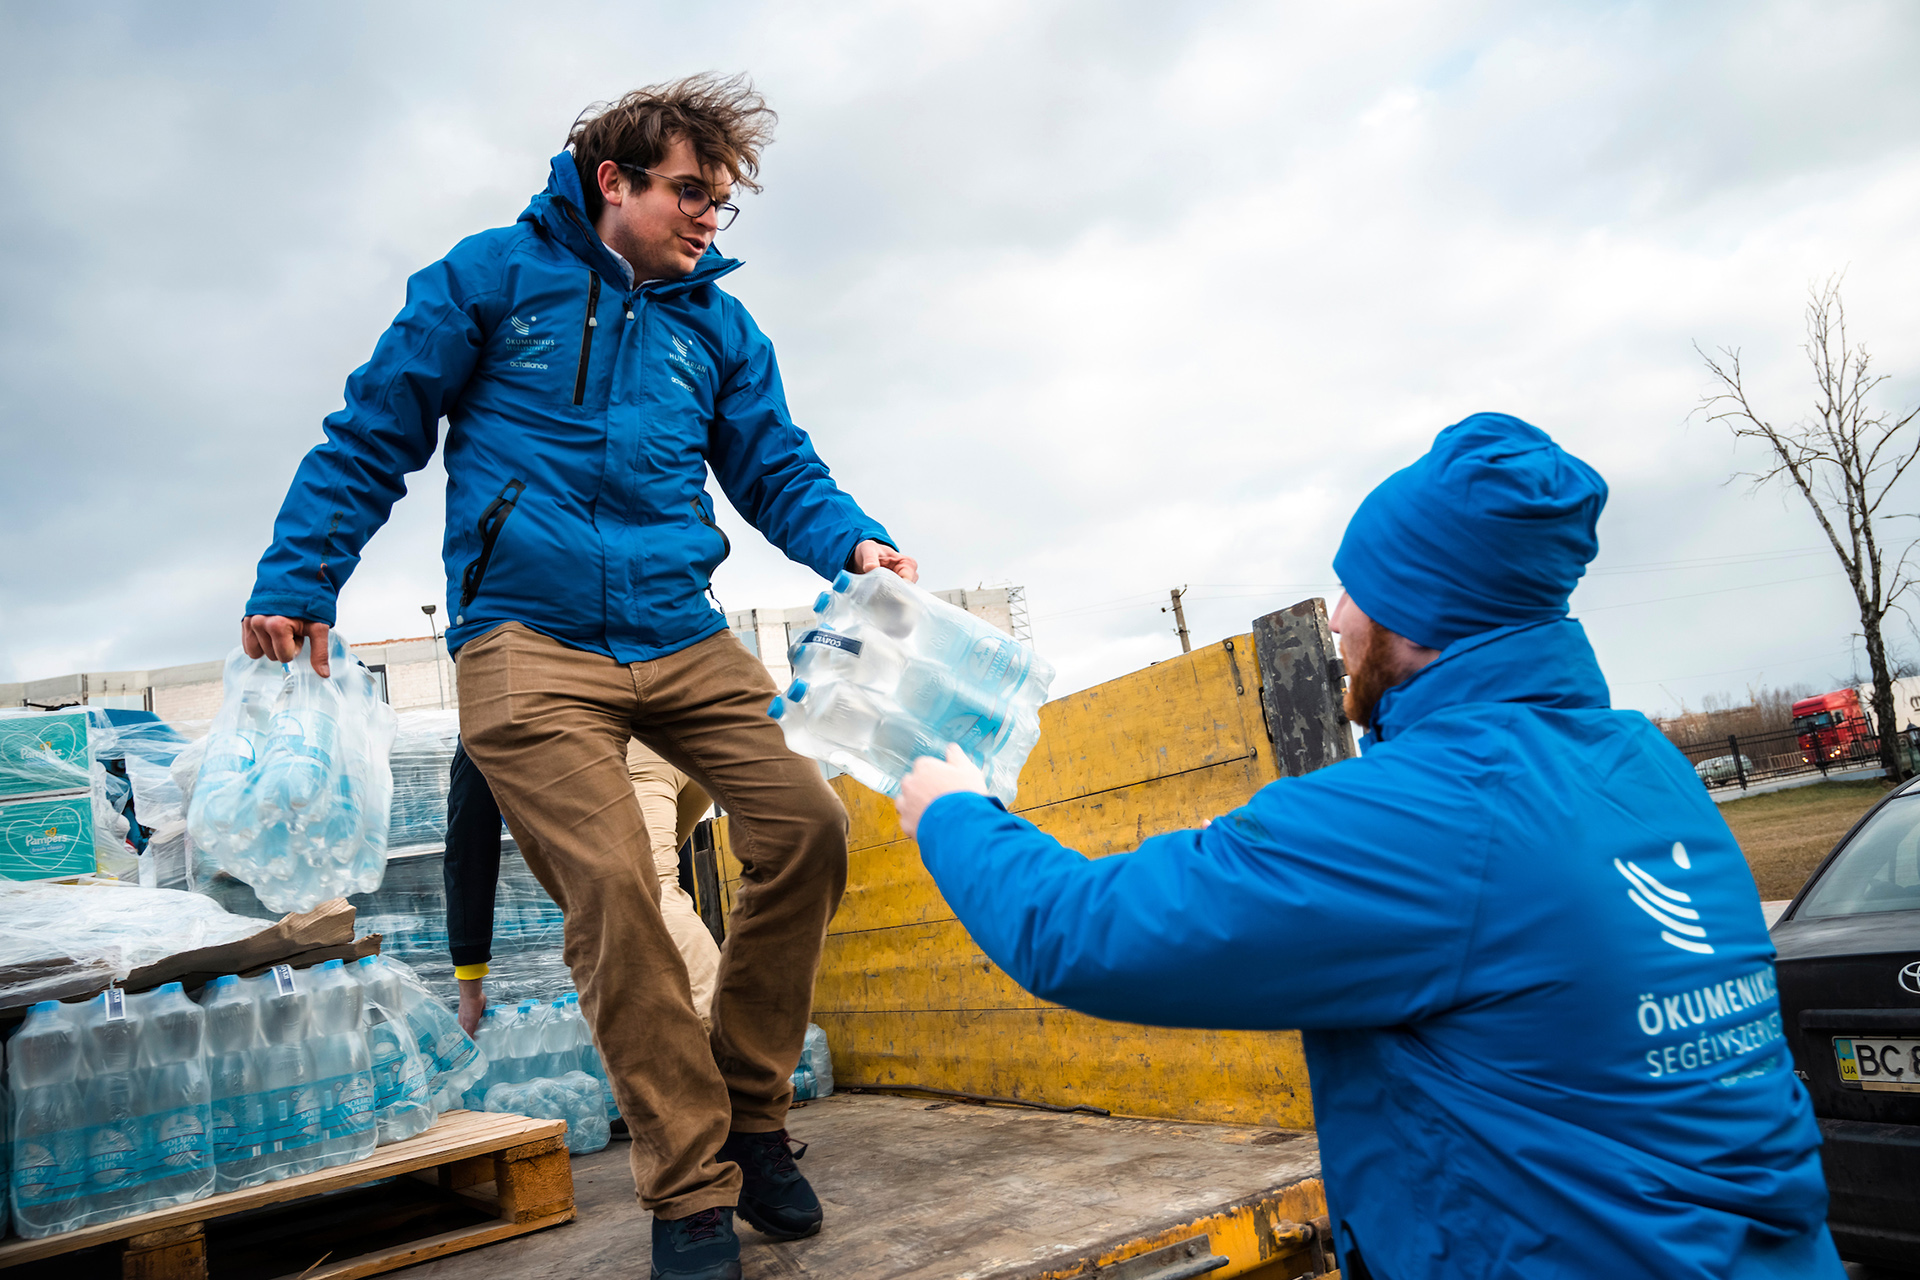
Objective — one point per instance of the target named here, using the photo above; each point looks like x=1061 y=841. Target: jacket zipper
x=586 y=336
x=700 y=513
x=491 y=522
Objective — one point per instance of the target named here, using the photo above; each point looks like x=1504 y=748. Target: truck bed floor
x=918 y=1187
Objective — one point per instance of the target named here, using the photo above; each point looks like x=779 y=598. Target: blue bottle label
x=832 y=640
x=283 y=979
x=116 y=1004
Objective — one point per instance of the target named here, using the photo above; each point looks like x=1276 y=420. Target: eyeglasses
x=694 y=200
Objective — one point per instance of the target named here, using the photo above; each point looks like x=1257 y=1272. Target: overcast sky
x=1099 y=298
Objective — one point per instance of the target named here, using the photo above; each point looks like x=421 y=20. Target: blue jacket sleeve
x=1315 y=905
x=389 y=427
x=769 y=470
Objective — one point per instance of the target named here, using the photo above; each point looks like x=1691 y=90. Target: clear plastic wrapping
x=890 y=673
x=110 y=1109
x=422 y=762
x=60 y=938
x=294 y=792
x=813 y=1077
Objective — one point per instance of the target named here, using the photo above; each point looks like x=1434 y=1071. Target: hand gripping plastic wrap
x=294 y=789
x=110 y=1109
x=890 y=673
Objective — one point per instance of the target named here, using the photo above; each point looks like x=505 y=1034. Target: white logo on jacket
x=1669 y=906
x=521 y=327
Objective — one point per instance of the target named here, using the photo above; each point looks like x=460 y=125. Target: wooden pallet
x=525 y=1160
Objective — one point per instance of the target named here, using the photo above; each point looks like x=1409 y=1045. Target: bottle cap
x=46 y=1006
x=797 y=690
x=331 y=964
x=778 y=707
x=227 y=980
x=168 y=987
x=842 y=581
x=824 y=599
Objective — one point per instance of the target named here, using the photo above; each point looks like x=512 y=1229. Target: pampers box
x=43 y=753
x=50 y=836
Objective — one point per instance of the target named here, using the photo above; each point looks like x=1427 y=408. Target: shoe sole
x=774 y=1233
x=731 y=1275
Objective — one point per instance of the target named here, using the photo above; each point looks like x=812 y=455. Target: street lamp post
x=438 y=679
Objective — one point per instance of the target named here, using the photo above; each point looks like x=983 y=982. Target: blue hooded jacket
x=1526 y=955
x=582 y=417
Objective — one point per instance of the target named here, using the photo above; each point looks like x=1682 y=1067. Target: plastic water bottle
x=574 y=1098
x=813 y=1077
x=343 y=1065
x=49 y=1141
x=236 y=1051
x=109 y=1029
x=177 y=1135
x=590 y=1062
x=294 y=790
x=890 y=673
x=587 y=1125
x=523 y=1044
x=401 y=1100
x=299 y=758
x=559 y=1048
x=454 y=1063
x=289 y=1077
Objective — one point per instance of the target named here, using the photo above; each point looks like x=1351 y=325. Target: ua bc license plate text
x=1878 y=1064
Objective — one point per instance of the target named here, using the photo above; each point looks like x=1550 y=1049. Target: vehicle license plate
x=1878 y=1064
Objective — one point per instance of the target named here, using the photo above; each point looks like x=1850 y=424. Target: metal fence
x=1741 y=760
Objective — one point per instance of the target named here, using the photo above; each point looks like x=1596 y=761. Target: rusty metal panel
x=1301 y=683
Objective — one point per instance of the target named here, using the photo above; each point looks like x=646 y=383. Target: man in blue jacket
x=591 y=370
x=1527 y=957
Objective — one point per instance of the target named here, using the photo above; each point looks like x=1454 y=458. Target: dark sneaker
x=701 y=1246
x=774 y=1196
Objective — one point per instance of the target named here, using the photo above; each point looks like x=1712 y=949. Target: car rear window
x=1879 y=870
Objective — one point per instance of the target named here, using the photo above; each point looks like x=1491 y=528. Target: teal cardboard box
x=49 y=836
x=43 y=753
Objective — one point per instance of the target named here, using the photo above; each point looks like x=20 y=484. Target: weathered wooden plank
x=456 y=1135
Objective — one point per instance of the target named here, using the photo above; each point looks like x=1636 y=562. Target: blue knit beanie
x=1494 y=526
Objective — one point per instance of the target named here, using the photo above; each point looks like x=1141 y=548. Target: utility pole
x=438 y=680
x=1180 y=619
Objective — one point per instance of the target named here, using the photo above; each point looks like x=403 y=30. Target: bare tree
x=1844 y=460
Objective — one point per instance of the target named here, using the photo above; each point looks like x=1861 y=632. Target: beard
x=1379 y=667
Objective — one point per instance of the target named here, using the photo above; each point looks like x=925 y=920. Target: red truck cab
x=1833 y=726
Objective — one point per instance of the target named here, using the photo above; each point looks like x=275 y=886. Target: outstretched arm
x=1325 y=902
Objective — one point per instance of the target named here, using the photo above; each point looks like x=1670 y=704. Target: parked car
x=1721 y=769
x=1849 y=977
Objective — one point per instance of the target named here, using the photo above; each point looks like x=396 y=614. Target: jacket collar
x=1540 y=664
x=557 y=211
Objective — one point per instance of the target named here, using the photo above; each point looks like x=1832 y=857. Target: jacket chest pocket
x=550 y=351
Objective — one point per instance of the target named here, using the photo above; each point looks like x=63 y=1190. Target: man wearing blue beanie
x=1526 y=956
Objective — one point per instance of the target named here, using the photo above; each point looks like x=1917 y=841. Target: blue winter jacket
x=1530 y=964
x=582 y=417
